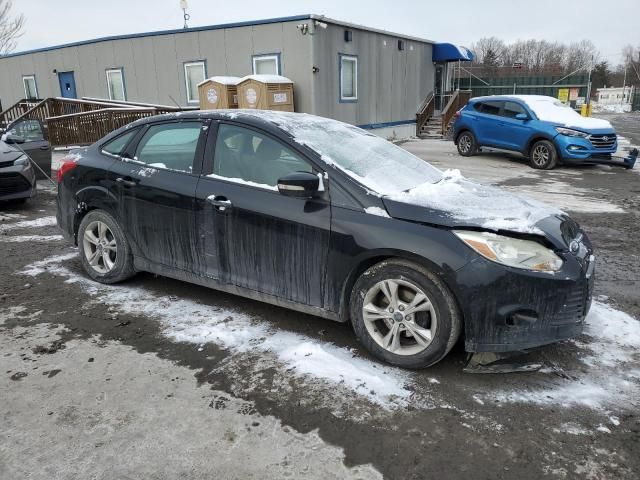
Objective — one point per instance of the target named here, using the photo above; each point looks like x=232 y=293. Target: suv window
x=491 y=108
x=511 y=109
x=116 y=146
x=244 y=154
x=30 y=130
x=170 y=145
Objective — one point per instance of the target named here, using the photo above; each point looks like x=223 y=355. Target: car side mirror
x=12 y=138
x=299 y=184
x=522 y=116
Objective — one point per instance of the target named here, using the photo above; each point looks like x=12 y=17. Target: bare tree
x=489 y=50
x=10 y=27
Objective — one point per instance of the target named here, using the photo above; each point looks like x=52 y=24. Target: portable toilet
x=218 y=92
x=266 y=92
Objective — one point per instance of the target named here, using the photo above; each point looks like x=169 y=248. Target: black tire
x=447 y=314
x=543 y=155
x=467 y=144
x=122 y=258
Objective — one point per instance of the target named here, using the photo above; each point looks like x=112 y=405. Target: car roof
x=522 y=98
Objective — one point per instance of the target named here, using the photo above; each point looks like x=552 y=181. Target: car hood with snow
x=457 y=202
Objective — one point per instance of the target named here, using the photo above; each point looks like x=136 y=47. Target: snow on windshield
x=550 y=109
x=490 y=207
x=373 y=161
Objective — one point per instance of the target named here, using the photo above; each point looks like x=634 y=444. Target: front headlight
x=569 y=132
x=21 y=160
x=512 y=252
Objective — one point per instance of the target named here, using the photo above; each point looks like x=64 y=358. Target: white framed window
x=115 y=84
x=266 y=64
x=30 y=87
x=348 y=78
x=194 y=73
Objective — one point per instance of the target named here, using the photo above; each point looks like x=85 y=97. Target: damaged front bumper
x=627 y=162
x=507 y=309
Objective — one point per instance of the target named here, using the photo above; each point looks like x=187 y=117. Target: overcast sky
x=608 y=24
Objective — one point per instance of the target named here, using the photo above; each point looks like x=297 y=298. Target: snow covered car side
x=325 y=218
x=541 y=128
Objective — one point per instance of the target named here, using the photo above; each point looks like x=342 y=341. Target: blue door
x=67 y=84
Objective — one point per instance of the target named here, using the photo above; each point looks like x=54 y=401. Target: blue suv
x=541 y=128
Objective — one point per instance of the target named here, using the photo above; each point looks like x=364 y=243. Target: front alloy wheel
x=399 y=316
x=100 y=247
x=404 y=314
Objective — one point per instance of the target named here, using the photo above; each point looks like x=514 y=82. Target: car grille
x=11 y=183
x=603 y=140
x=6 y=164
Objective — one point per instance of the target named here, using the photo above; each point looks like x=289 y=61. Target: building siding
x=391 y=83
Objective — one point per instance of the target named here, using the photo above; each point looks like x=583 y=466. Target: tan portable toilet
x=218 y=92
x=266 y=92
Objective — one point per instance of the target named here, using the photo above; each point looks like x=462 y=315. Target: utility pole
x=624 y=79
x=589 y=84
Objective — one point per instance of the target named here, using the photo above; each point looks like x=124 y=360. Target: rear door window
x=170 y=145
x=117 y=145
x=492 y=108
x=511 y=109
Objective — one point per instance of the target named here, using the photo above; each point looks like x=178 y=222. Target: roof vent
x=401 y=45
x=348 y=36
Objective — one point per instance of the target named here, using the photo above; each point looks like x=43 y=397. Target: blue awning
x=447 y=52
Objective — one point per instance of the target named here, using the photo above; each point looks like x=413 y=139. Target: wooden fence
x=15 y=111
x=85 y=128
x=425 y=112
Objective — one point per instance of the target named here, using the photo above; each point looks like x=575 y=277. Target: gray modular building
x=367 y=77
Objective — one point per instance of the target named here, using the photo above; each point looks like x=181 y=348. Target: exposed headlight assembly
x=21 y=160
x=569 y=132
x=512 y=252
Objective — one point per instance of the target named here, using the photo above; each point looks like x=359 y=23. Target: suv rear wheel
x=467 y=145
x=404 y=315
x=543 y=155
x=104 y=250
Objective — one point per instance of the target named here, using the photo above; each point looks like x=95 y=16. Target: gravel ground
x=112 y=383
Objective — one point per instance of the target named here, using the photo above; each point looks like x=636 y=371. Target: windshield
x=376 y=163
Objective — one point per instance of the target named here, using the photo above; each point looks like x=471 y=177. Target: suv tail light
x=68 y=163
x=457 y=114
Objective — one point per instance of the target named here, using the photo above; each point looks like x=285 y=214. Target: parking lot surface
x=156 y=378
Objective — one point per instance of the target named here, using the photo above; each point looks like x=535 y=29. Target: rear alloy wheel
x=104 y=250
x=543 y=155
x=467 y=145
x=404 y=314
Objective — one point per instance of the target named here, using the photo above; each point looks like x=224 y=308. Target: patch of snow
x=611 y=350
x=551 y=109
x=603 y=429
x=224 y=80
x=30 y=238
x=571 y=429
x=614 y=420
x=38 y=222
x=492 y=207
x=158 y=165
x=243 y=182
x=380 y=212
x=187 y=321
x=266 y=78
x=618 y=108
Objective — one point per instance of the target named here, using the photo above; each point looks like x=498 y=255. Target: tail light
x=457 y=114
x=68 y=163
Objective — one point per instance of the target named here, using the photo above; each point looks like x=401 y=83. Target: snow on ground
x=30 y=238
x=38 y=222
x=606 y=378
x=305 y=358
x=611 y=374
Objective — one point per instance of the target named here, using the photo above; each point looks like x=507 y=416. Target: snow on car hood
x=455 y=201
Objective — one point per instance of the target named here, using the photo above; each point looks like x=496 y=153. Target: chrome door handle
x=126 y=183
x=221 y=203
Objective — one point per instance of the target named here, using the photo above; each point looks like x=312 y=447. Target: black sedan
x=324 y=218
